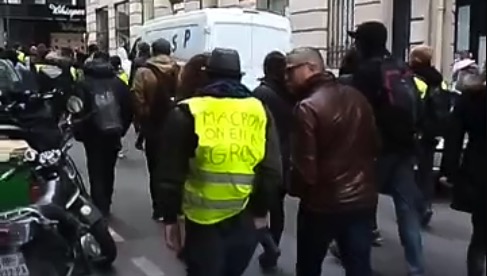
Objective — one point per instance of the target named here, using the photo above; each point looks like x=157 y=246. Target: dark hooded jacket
x=466 y=169
x=395 y=137
x=179 y=142
x=95 y=72
x=280 y=103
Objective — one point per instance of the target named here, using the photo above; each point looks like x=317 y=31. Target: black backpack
x=437 y=108
x=106 y=109
x=399 y=97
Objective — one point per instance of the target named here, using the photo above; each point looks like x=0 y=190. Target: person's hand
x=444 y=180
x=172 y=235
x=139 y=144
x=260 y=222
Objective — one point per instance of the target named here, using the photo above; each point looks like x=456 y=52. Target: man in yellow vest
x=219 y=164
x=116 y=63
x=436 y=106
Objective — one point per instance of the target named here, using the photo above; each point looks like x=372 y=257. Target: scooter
x=48 y=224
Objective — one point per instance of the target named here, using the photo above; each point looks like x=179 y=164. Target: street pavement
x=142 y=251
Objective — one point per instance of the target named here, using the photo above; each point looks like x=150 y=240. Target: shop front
x=56 y=25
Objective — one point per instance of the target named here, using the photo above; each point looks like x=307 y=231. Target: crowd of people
x=224 y=157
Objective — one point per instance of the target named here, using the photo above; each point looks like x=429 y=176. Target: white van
x=252 y=33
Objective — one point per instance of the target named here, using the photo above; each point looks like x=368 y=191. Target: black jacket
x=179 y=142
x=280 y=103
x=368 y=79
x=97 y=72
x=468 y=172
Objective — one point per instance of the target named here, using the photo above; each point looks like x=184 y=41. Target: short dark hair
x=102 y=56
x=93 y=48
x=67 y=52
x=116 y=62
x=275 y=65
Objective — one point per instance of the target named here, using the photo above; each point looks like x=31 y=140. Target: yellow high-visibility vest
x=421 y=86
x=72 y=71
x=231 y=142
x=21 y=56
x=124 y=77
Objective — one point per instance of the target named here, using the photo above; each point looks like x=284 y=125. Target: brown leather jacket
x=335 y=143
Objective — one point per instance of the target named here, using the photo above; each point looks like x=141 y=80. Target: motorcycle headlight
x=30 y=155
x=50 y=157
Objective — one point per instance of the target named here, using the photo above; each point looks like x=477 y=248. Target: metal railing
x=340 y=21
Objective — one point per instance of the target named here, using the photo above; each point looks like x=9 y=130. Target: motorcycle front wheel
x=107 y=247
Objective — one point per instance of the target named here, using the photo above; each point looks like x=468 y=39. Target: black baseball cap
x=371 y=31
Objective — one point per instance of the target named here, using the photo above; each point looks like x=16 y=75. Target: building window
x=102 y=28
x=340 y=21
x=147 y=10
x=122 y=25
x=275 y=6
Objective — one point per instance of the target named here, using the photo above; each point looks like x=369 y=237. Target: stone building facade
x=432 y=22
x=319 y=23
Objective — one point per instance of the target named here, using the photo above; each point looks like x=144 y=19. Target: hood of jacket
x=99 y=69
x=430 y=75
x=226 y=88
x=163 y=63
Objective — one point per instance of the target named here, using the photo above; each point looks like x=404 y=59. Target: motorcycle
x=44 y=205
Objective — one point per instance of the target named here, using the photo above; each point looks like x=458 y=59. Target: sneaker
x=377 y=239
x=267 y=263
x=426 y=219
x=157 y=218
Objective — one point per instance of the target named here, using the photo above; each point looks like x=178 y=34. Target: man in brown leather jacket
x=334 y=147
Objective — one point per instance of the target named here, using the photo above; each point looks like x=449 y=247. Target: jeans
x=425 y=174
x=101 y=159
x=396 y=178
x=352 y=233
x=222 y=249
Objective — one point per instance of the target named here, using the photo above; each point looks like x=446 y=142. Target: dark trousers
x=352 y=233
x=477 y=248
x=425 y=178
x=276 y=219
x=101 y=159
x=223 y=249
x=151 y=154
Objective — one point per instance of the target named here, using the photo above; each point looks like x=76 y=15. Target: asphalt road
x=143 y=253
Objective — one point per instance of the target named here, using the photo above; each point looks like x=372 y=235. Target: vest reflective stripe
x=421 y=86
x=444 y=86
x=223 y=178
x=74 y=73
x=209 y=204
x=231 y=142
x=21 y=56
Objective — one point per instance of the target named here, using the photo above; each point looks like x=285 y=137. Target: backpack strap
x=162 y=96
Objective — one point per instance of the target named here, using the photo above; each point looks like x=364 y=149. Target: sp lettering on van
x=229 y=136
x=186 y=38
